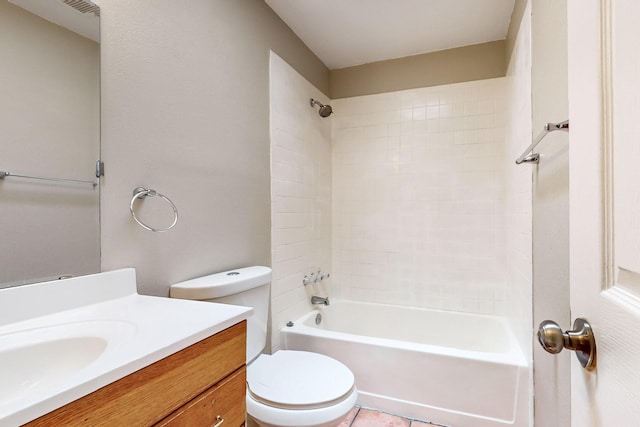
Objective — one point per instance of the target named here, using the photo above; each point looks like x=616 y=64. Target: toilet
x=288 y=388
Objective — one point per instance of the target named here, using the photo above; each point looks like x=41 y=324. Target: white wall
x=300 y=195
x=518 y=201
x=537 y=201
x=50 y=126
x=418 y=197
x=552 y=374
x=518 y=194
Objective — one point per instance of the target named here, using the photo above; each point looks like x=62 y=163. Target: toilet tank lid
x=222 y=284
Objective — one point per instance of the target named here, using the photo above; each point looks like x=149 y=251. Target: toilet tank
x=247 y=286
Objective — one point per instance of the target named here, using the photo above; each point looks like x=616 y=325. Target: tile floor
x=363 y=417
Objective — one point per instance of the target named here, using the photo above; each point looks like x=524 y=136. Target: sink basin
x=24 y=369
x=64 y=339
x=44 y=358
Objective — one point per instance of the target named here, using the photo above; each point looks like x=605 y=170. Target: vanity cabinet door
x=222 y=403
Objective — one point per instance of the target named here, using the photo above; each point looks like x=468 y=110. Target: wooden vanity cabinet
x=215 y=406
x=201 y=385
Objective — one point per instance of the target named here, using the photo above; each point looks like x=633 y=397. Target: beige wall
x=49 y=116
x=185 y=111
x=514 y=26
x=468 y=63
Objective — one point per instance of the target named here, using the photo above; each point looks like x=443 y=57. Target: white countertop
x=138 y=331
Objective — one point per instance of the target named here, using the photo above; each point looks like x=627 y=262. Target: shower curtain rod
x=535 y=157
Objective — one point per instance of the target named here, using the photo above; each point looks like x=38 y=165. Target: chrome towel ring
x=141 y=193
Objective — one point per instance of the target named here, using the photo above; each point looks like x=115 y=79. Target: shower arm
x=325 y=109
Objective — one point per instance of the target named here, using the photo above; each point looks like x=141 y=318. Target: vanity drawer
x=222 y=403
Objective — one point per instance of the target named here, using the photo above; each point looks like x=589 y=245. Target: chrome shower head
x=324 y=111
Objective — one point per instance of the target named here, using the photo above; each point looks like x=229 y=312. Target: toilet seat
x=298 y=380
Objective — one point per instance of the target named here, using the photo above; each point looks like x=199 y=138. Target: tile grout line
x=355 y=416
x=411 y=420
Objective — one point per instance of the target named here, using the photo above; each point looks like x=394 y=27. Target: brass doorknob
x=580 y=339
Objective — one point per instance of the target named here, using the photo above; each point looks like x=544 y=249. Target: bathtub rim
x=513 y=357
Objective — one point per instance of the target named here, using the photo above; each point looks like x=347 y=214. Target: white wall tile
x=431 y=231
x=300 y=192
x=518 y=242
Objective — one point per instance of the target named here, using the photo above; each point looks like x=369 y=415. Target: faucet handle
x=315 y=277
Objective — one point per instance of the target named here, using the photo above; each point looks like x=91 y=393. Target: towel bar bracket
x=532 y=158
x=528 y=156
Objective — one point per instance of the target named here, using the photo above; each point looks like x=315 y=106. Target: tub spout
x=319 y=300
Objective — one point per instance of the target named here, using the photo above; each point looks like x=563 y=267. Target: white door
x=604 y=111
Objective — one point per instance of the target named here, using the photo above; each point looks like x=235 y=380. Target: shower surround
x=300 y=195
x=400 y=196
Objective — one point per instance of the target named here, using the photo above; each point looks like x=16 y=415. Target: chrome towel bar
x=99 y=173
x=526 y=157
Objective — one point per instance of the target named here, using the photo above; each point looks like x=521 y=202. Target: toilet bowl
x=288 y=388
x=299 y=389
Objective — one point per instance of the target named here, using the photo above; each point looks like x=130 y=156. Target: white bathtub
x=456 y=369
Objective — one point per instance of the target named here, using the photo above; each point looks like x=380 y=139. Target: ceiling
x=344 y=33
x=87 y=24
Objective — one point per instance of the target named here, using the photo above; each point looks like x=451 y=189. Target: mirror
x=50 y=121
